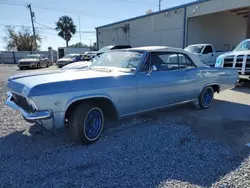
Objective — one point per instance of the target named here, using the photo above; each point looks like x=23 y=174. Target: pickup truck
x=239 y=59
x=206 y=53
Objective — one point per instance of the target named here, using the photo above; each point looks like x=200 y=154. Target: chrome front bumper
x=44 y=118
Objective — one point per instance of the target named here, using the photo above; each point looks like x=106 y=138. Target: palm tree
x=66 y=28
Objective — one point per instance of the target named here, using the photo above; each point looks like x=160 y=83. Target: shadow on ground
x=181 y=143
x=243 y=87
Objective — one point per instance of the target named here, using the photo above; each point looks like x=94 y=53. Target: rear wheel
x=206 y=97
x=86 y=123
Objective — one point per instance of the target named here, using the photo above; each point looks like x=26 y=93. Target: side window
x=145 y=65
x=185 y=62
x=208 y=50
x=165 y=61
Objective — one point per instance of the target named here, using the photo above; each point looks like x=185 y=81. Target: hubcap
x=93 y=124
x=207 y=97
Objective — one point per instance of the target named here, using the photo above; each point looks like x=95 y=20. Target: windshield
x=119 y=60
x=106 y=48
x=194 y=49
x=243 y=46
x=69 y=56
x=32 y=57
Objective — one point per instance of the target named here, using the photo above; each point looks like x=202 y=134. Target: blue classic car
x=118 y=84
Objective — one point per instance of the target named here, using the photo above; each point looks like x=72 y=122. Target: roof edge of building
x=155 y=13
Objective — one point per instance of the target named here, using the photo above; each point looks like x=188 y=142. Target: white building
x=224 y=23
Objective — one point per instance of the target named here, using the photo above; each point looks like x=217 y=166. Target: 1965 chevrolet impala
x=118 y=84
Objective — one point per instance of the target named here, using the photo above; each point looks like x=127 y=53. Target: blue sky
x=92 y=13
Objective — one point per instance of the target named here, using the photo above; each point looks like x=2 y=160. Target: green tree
x=22 y=40
x=66 y=28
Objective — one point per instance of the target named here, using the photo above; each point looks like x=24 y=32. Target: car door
x=208 y=57
x=161 y=87
x=193 y=75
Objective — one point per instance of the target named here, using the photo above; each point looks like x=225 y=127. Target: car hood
x=59 y=80
x=247 y=52
x=28 y=60
x=77 y=65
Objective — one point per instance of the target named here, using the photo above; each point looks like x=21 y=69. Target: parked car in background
x=80 y=64
x=87 y=56
x=112 y=47
x=206 y=53
x=70 y=58
x=77 y=65
x=33 y=61
x=118 y=84
x=239 y=59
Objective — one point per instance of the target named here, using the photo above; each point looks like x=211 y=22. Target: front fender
x=79 y=98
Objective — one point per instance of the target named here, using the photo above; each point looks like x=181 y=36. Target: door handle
x=212 y=54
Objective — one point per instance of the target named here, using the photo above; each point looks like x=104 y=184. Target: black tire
x=21 y=68
x=206 y=97
x=47 y=65
x=38 y=65
x=79 y=124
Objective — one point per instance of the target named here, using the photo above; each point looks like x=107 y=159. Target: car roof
x=156 y=49
x=200 y=44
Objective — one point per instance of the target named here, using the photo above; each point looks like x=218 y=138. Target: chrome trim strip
x=38 y=115
x=158 y=108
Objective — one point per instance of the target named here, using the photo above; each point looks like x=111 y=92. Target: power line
x=45 y=7
x=47 y=27
x=44 y=27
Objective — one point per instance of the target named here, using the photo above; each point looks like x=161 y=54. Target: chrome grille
x=22 y=102
x=24 y=63
x=248 y=62
x=228 y=61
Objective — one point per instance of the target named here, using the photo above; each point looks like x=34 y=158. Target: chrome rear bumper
x=44 y=118
x=244 y=76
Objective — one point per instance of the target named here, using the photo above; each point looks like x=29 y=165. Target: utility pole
x=32 y=16
x=80 y=29
x=160 y=4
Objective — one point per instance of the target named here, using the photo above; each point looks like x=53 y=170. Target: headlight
x=31 y=104
x=218 y=62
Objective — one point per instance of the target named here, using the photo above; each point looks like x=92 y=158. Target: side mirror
x=153 y=68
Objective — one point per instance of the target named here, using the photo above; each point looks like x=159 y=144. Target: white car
x=206 y=53
x=77 y=65
x=67 y=59
x=89 y=55
x=239 y=58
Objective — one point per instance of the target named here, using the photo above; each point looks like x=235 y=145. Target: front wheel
x=206 y=97
x=38 y=65
x=86 y=123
